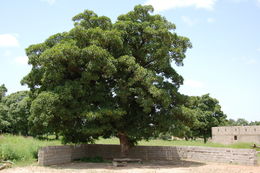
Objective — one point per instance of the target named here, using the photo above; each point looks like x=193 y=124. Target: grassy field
x=158 y=142
x=23 y=150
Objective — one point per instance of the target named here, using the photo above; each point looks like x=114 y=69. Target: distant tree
x=242 y=122
x=231 y=122
x=3 y=118
x=254 y=123
x=17 y=106
x=103 y=78
x=207 y=113
x=3 y=110
x=182 y=127
x=3 y=91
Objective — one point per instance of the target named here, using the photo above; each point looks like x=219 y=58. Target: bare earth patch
x=147 y=167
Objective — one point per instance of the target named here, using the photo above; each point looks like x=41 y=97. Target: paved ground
x=151 y=167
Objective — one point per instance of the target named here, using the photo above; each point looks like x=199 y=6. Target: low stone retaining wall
x=63 y=154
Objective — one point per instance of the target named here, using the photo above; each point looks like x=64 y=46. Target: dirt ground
x=149 y=167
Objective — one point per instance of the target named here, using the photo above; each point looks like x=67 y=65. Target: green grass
x=21 y=150
x=158 y=142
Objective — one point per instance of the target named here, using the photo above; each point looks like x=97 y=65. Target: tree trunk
x=56 y=136
x=205 y=139
x=124 y=144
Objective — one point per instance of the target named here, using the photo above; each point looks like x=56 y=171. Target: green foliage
x=3 y=110
x=206 y=113
x=254 y=123
x=103 y=78
x=21 y=149
x=4 y=123
x=15 y=111
x=240 y=122
x=46 y=107
x=3 y=91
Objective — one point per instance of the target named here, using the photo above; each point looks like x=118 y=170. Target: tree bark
x=124 y=144
x=56 y=136
x=205 y=139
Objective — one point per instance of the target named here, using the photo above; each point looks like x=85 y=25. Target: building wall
x=233 y=134
x=63 y=154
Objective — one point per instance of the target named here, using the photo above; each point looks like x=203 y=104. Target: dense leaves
x=207 y=113
x=242 y=122
x=14 y=113
x=3 y=110
x=103 y=78
x=3 y=91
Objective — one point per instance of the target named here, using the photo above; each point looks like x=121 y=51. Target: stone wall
x=234 y=134
x=63 y=154
x=54 y=155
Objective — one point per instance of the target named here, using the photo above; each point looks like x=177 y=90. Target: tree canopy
x=3 y=91
x=207 y=113
x=14 y=113
x=103 y=78
x=3 y=109
x=242 y=122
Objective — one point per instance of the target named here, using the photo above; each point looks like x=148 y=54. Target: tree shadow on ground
x=145 y=165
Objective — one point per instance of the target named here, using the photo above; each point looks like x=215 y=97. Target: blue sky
x=224 y=60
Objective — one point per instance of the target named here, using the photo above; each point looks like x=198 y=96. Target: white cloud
x=162 y=5
x=210 y=20
x=259 y=47
x=51 y=2
x=187 y=20
x=194 y=83
x=23 y=60
x=8 y=40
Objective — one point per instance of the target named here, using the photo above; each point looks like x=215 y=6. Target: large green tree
x=207 y=112
x=103 y=78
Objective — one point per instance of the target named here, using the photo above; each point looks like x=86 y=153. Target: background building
x=233 y=134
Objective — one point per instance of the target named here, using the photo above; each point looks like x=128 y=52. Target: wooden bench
x=123 y=161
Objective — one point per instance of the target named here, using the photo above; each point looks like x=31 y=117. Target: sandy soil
x=151 y=167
